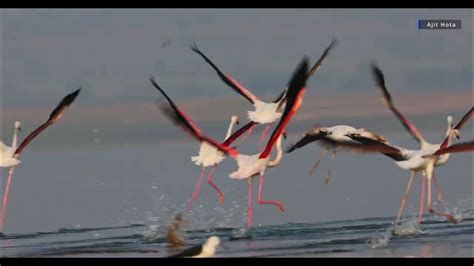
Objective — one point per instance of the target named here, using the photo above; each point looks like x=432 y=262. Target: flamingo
x=425 y=146
x=7 y=159
x=204 y=250
x=264 y=113
x=415 y=161
x=256 y=164
x=208 y=156
x=54 y=116
x=333 y=139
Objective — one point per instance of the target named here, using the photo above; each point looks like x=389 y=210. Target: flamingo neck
x=229 y=130
x=15 y=137
x=279 y=155
x=450 y=133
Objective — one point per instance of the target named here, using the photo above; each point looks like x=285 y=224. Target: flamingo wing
x=294 y=98
x=380 y=83
x=312 y=135
x=54 y=116
x=238 y=133
x=175 y=114
x=374 y=145
x=458 y=147
x=282 y=97
x=180 y=118
x=318 y=63
x=460 y=124
x=227 y=79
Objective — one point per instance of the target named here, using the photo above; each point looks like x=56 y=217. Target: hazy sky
x=112 y=53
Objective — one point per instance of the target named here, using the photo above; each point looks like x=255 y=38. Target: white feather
x=264 y=113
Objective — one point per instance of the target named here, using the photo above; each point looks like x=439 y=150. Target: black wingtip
x=290 y=148
x=377 y=74
x=194 y=47
x=334 y=42
x=64 y=104
x=298 y=78
x=155 y=83
x=71 y=97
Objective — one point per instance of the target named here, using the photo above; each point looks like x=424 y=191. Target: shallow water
x=437 y=238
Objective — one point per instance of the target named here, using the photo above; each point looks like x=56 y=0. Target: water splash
x=381 y=240
x=407 y=227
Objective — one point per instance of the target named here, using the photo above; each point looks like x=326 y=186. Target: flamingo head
x=235 y=119
x=453 y=133
x=17 y=125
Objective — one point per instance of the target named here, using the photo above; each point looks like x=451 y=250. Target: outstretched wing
x=458 y=147
x=373 y=145
x=238 y=133
x=176 y=115
x=312 y=135
x=180 y=118
x=311 y=72
x=294 y=98
x=53 y=117
x=227 y=78
x=318 y=63
x=461 y=123
x=380 y=83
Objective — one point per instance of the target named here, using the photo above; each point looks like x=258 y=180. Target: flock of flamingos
x=280 y=111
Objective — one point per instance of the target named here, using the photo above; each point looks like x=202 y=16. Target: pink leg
x=422 y=198
x=260 y=201
x=3 y=212
x=249 y=132
x=264 y=134
x=249 y=208
x=439 y=193
x=209 y=180
x=196 y=191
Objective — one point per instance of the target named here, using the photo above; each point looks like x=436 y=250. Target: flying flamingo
x=414 y=161
x=264 y=113
x=333 y=139
x=250 y=165
x=13 y=157
x=209 y=155
x=425 y=146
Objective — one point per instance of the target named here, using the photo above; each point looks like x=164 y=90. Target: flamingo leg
x=209 y=180
x=249 y=208
x=321 y=156
x=405 y=197
x=249 y=132
x=260 y=201
x=439 y=193
x=429 y=172
x=422 y=197
x=264 y=134
x=328 y=177
x=196 y=191
x=3 y=212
